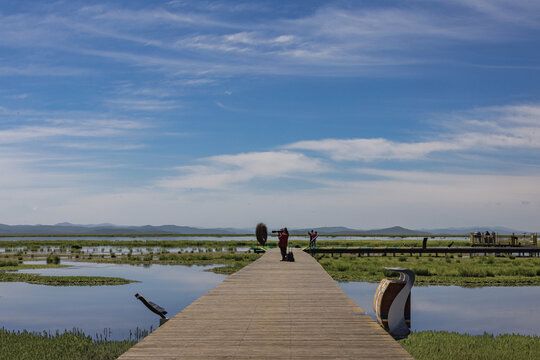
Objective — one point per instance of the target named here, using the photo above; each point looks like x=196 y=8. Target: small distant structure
x=493 y=239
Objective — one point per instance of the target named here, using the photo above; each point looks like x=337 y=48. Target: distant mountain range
x=107 y=229
x=340 y=230
x=66 y=228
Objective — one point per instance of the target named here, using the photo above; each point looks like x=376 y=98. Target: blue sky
x=312 y=113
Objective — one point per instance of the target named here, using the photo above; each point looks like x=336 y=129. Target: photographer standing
x=283 y=242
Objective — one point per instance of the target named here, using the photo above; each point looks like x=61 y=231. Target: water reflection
x=94 y=308
x=497 y=310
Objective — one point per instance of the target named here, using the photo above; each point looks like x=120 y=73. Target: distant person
x=312 y=238
x=487 y=237
x=283 y=242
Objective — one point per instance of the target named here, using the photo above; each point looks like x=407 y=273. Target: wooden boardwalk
x=271 y=310
x=522 y=251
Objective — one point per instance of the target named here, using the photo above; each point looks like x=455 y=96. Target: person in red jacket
x=283 y=241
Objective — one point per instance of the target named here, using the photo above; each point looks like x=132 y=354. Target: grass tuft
x=53 y=259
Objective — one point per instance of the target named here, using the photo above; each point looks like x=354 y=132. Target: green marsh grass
x=232 y=261
x=9 y=263
x=470 y=272
x=75 y=245
x=429 y=345
x=23 y=345
x=20 y=266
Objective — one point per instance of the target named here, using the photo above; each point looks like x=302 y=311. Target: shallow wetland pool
x=496 y=310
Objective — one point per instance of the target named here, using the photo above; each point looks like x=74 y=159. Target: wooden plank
x=271 y=310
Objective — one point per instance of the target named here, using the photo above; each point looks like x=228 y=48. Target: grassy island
x=9 y=268
x=62 y=280
x=431 y=270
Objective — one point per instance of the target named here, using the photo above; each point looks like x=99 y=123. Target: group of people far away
x=283 y=238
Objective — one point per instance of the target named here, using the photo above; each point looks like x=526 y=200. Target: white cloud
x=223 y=171
x=68 y=128
x=416 y=202
x=499 y=128
x=371 y=149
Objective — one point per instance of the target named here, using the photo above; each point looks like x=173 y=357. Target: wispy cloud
x=17 y=96
x=144 y=104
x=488 y=129
x=67 y=128
x=43 y=71
x=371 y=149
x=520 y=13
x=207 y=39
x=222 y=171
x=100 y=146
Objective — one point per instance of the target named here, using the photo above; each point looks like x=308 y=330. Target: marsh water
x=494 y=310
x=95 y=308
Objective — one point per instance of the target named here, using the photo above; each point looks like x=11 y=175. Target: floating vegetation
x=62 y=280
